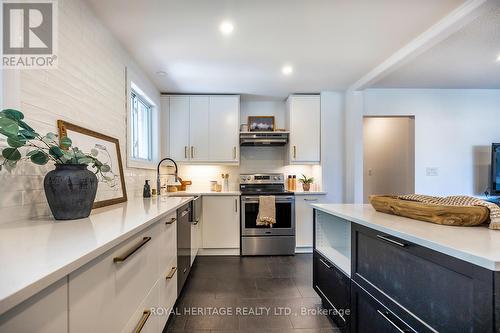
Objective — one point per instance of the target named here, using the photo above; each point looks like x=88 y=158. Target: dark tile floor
x=250 y=294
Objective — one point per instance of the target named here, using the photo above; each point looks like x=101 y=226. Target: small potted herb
x=306 y=182
x=70 y=188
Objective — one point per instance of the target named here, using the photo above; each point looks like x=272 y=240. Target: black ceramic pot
x=70 y=191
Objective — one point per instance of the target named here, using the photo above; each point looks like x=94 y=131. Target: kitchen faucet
x=158 y=183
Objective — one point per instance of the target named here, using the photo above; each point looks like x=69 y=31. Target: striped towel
x=458 y=200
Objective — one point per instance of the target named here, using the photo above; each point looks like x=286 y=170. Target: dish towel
x=459 y=200
x=267 y=210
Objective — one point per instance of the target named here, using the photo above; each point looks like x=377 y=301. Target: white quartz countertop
x=36 y=253
x=201 y=192
x=477 y=245
x=310 y=193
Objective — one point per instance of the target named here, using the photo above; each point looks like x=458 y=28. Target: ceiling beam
x=450 y=24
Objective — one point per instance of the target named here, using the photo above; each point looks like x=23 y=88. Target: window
x=141 y=128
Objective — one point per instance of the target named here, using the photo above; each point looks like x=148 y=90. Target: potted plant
x=70 y=188
x=306 y=182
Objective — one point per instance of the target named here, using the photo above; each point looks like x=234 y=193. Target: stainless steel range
x=265 y=240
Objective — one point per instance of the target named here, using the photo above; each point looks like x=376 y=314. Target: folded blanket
x=267 y=211
x=458 y=200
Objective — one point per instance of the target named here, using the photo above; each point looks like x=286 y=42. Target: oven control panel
x=261 y=178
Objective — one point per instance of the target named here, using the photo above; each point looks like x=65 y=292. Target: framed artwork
x=261 y=123
x=110 y=192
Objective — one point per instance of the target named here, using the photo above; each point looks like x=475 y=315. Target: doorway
x=388 y=155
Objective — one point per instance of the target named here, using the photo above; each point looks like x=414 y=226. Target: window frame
x=154 y=137
x=136 y=98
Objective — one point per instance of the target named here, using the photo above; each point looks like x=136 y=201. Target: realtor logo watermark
x=29 y=38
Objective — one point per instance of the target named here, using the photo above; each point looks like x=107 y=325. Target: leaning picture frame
x=112 y=191
x=261 y=123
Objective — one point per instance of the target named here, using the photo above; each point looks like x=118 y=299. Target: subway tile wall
x=88 y=89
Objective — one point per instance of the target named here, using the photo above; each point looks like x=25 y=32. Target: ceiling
x=329 y=43
x=467 y=59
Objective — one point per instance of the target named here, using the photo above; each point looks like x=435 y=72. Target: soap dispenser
x=146 y=193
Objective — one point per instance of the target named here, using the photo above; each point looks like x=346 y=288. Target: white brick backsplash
x=88 y=89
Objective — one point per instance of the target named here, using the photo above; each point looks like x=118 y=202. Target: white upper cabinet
x=198 y=129
x=224 y=128
x=204 y=129
x=304 y=122
x=179 y=128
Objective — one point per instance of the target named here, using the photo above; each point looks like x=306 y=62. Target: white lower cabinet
x=46 y=312
x=145 y=319
x=304 y=218
x=221 y=222
x=168 y=244
x=105 y=293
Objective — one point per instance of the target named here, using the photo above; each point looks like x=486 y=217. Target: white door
x=221 y=222
x=224 y=128
x=198 y=129
x=179 y=128
x=305 y=129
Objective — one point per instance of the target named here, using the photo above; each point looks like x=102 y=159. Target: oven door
x=285 y=217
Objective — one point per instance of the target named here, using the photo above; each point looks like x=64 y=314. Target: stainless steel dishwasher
x=183 y=245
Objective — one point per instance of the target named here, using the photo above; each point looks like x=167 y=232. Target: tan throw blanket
x=267 y=211
x=459 y=200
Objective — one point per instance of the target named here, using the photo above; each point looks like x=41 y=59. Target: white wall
x=253 y=106
x=87 y=89
x=388 y=156
x=453 y=132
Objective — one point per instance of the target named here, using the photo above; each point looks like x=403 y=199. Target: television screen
x=495 y=169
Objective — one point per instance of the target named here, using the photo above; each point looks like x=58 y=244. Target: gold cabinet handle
x=171 y=221
x=192 y=151
x=142 y=322
x=234 y=152
x=185 y=151
x=294 y=151
x=131 y=251
x=172 y=273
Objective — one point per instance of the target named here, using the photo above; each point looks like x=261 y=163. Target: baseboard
x=219 y=252
x=303 y=250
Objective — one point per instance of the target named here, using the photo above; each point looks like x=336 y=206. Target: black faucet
x=158 y=183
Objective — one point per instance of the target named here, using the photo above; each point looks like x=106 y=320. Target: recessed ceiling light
x=226 y=27
x=498 y=58
x=161 y=73
x=287 y=70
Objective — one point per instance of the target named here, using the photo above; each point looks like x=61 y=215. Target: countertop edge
x=453 y=252
x=23 y=294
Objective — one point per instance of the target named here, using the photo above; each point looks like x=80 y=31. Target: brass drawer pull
x=142 y=322
x=192 y=151
x=127 y=254
x=294 y=152
x=172 y=273
x=392 y=241
x=171 y=221
x=234 y=152
x=310 y=199
x=185 y=152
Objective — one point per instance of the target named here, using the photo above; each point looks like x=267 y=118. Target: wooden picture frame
x=106 y=195
x=258 y=123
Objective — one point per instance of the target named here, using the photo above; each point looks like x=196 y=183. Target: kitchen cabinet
x=221 y=222
x=303 y=118
x=224 y=128
x=105 y=293
x=46 y=312
x=198 y=128
x=144 y=319
x=304 y=218
x=179 y=128
x=204 y=129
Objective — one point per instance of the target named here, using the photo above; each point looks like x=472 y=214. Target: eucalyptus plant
x=40 y=149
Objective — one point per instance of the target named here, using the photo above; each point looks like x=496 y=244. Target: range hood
x=263 y=138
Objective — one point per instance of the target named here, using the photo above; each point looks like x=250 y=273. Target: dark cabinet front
x=333 y=287
x=449 y=295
